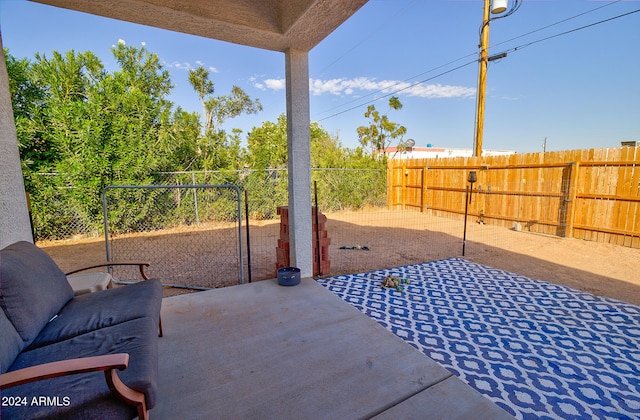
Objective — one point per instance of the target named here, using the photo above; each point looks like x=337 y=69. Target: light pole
x=473 y=177
x=490 y=7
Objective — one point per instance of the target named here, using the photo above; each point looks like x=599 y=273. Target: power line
x=397 y=91
x=475 y=61
x=401 y=82
x=574 y=30
x=557 y=23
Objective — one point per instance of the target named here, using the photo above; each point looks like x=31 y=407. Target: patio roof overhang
x=276 y=25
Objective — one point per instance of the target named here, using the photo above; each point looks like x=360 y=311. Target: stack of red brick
x=283 y=258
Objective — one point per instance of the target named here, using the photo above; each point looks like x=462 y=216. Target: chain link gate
x=190 y=234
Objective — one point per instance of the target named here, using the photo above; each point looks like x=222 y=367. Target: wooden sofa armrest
x=64 y=367
x=140 y=264
x=108 y=363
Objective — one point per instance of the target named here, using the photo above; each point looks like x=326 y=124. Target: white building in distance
x=438 y=152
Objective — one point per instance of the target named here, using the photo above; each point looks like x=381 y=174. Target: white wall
x=14 y=215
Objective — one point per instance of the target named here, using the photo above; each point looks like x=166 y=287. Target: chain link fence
x=190 y=234
x=184 y=225
x=70 y=212
x=182 y=229
x=58 y=208
x=191 y=237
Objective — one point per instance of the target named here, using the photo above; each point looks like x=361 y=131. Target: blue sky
x=579 y=90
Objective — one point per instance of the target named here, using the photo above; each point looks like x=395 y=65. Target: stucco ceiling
x=268 y=24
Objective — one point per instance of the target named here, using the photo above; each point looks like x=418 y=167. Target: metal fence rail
x=191 y=234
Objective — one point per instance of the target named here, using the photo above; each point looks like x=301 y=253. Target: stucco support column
x=14 y=215
x=299 y=165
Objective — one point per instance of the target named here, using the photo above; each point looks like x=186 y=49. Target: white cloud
x=359 y=85
x=181 y=66
x=188 y=66
x=273 y=84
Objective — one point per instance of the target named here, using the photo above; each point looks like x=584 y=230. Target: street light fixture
x=494 y=7
x=499 y=6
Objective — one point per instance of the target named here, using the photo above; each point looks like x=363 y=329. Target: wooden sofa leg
x=128 y=395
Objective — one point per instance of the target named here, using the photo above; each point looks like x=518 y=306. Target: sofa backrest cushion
x=32 y=288
x=11 y=343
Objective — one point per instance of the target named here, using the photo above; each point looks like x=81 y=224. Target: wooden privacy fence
x=589 y=194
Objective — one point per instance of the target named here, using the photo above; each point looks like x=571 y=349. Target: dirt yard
x=394 y=240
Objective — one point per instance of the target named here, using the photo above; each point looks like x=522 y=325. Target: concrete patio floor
x=265 y=351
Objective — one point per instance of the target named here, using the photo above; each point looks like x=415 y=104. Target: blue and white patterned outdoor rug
x=536 y=349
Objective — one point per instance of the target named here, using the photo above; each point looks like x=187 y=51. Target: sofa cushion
x=32 y=288
x=10 y=342
x=102 y=309
x=87 y=394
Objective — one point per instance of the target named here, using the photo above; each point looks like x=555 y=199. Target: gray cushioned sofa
x=104 y=344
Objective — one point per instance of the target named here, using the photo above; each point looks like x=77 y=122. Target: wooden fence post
x=423 y=189
x=568 y=206
x=390 y=184
x=405 y=174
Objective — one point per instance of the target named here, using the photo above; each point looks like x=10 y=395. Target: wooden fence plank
x=583 y=180
x=623 y=188
x=590 y=184
x=635 y=192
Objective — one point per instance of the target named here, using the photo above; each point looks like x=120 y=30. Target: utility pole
x=495 y=7
x=483 y=60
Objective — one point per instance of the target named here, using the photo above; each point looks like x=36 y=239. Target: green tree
x=27 y=98
x=137 y=114
x=47 y=143
x=267 y=148
x=199 y=79
x=106 y=127
x=215 y=147
x=268 y=144
x=380 y=132
x=96 y=128
x=183 y=133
